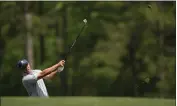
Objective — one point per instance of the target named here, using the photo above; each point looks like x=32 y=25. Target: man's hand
x=51 y=69
x=61 y=63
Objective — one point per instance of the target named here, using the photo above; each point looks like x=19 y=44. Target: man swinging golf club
x=33 y=79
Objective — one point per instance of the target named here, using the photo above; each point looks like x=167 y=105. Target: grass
x=85 y=101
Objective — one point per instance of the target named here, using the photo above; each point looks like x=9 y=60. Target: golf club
x=85 y=22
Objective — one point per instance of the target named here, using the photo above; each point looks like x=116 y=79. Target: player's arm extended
x=50 y=70
x=51 y=75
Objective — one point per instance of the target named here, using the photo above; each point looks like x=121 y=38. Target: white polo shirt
x=33 y=86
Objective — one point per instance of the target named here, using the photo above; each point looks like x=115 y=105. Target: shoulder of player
x=26 y=77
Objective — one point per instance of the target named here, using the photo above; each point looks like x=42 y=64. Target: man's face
x=28 y=68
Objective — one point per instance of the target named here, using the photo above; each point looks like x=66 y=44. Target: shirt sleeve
x=32 y=78
x=36 y=72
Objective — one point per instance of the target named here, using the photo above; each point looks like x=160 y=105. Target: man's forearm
x=51 y=75
x=48 y=71
x=51 y=69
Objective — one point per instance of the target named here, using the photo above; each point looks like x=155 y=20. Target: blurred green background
x=127 y=49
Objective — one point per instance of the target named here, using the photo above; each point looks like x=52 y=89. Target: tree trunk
x=64 y=36
x=41 y=37
x=2 y=48
x=29 y=38
x=59 y=40
x=132 y=52
x=161 y=66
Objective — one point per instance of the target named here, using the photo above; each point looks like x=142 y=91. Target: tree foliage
x=127 y=49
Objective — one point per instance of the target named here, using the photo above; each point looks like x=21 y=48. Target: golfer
x=33 y=79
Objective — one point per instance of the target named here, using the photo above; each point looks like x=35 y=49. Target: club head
x=85 y=21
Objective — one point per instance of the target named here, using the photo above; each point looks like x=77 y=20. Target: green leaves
x=59 y=6
x=124 y=45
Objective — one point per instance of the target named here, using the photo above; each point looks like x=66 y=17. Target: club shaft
x=74 y=42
